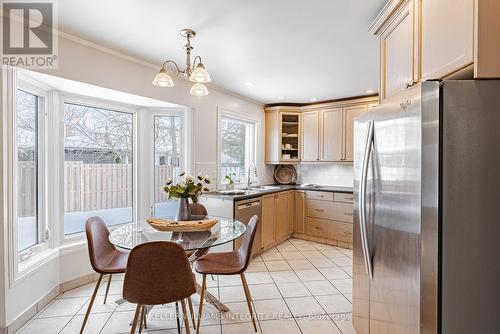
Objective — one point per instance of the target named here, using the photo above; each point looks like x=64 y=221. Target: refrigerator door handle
x=362 y=200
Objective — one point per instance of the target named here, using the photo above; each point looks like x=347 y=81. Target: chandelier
x=194 y=72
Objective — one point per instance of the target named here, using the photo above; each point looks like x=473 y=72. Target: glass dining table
x=195 y=244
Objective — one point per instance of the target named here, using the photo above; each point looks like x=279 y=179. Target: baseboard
x=27 y=315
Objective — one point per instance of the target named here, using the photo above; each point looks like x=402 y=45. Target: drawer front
x=320 y=195
x=330 y=210
x=342 y=197
x=329 y=229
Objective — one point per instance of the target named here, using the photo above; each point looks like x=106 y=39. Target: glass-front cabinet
x=283 y=135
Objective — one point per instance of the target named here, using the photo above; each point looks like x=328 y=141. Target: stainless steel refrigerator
x=427 y=211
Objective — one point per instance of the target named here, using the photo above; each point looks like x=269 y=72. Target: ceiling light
x=313 y=99
x=370 y=91
x=248 y=84
x=280 y=97
x=162 y=79
x=199 y=75
x=199 y=89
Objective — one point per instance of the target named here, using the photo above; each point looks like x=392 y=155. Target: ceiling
x=268 y=50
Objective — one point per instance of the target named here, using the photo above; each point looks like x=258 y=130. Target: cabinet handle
x=347 y=233
x=320 y=210
x=321 y=196
x=349 y=214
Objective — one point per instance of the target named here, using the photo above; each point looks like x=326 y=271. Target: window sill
x=35 y=262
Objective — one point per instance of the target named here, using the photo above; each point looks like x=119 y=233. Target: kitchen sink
x=264 y=188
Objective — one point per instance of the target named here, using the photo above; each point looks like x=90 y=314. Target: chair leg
x=202 y=298
x=136 y=318
x=177 y=317
x=185 y=316
x=91 y=303
x=249 y=299
x=107 y=288
x=145 y=315
x=190 y=304
x=141 y=323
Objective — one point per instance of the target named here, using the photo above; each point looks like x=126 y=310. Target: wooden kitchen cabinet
x=397 y=54
x=277 y=218
x=325 y=217
x=436 y=39
x=310 y=136
x=350 y=113
x=282 y=135
x=299 y=212
x=268 y=221
x=331 y=134
x=447 y=40
x=325 y=133
x=284 y=215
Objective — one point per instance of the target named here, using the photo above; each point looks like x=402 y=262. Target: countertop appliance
x=427 y=211
x=243 y=211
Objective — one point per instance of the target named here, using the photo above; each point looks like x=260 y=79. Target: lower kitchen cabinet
x=268 y=220
x=277 y=218
x=324 y=217
x=299 y=213
x=328 y=229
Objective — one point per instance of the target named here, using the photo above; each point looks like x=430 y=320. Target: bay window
x=98 y=171
x=28 y=171
x=168 y=160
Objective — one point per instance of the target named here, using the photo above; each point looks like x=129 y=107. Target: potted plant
x=188 y=187
x=230 y=177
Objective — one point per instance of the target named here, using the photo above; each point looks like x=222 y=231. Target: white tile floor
x=297 y=287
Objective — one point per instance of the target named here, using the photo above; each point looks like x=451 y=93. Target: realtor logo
x=28 y=38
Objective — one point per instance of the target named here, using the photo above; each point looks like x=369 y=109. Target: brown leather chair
x=229 y=263
x=105 y=258
x=197 y=209
x=158 y=273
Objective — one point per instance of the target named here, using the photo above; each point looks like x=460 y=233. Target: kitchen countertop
x=259 y=193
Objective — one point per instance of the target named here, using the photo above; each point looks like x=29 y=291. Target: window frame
x=256 y=123
x=21 y=263
x=184 y=161
x=98 y=104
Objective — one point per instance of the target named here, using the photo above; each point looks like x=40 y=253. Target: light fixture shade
x=163 y=79
x=199 y=89
x=200 y=75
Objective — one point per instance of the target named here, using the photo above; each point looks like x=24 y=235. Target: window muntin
x=27 y=174
x=167 y=161
x=237 y=148
x=98 y=170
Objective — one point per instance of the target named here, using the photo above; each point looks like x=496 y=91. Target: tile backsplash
x=326 y=174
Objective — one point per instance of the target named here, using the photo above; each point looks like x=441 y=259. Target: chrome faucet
x=249 y=182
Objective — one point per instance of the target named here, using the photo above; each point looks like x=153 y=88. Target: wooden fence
x=89 y=187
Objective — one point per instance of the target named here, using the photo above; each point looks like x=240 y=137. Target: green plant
x=187 y=187
x=230 y=178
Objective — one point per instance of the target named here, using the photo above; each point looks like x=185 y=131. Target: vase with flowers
x=188 y=187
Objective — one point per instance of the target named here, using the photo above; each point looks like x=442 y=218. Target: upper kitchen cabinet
x=283 y=126
x=350 y=113
x=310 y=136
x=398 y=64
x=447 y=36
x=332 y=129
x=436 y=39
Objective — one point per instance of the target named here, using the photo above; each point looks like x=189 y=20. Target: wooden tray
x=166 y=225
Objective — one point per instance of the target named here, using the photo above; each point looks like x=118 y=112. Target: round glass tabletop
x=130 y=235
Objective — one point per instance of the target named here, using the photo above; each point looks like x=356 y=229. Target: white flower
x=189 y=178
x=169 y=180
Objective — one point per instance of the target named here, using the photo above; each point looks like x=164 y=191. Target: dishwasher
x=243 y=211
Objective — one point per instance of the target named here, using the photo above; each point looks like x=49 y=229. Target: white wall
x=85 y=63
x=326 y=174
